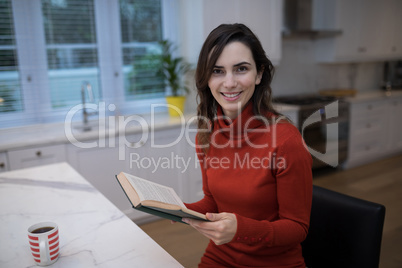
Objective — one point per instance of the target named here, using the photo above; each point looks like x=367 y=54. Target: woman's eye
x=216 y=71
x=242 y=69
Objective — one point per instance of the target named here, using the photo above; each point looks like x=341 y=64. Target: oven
x=323 y=122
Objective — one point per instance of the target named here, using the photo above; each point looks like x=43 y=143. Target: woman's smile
x=231 y=96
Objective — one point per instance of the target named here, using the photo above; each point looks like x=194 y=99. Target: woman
x=256 y=171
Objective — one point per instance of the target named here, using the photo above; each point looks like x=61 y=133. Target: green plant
x=7 y=99
x=144 y=77
x=173 y=69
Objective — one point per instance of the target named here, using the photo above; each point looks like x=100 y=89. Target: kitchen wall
x=299 y=73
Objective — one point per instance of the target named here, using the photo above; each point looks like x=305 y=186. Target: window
x=141 y=28
x=50 y=48
x=71 y=48
x=10 y=88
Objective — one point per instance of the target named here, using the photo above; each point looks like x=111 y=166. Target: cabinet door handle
x=38 y=153
x=2 y=165
x=369 y=107
x=368 y=125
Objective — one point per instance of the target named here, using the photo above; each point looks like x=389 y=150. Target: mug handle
x=45 y=257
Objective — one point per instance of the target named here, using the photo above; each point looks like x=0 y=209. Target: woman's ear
x=259 y=76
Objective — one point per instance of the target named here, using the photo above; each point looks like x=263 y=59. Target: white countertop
x=93 y=232
x=373 y=95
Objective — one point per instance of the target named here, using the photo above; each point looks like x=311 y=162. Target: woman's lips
x=231 y=96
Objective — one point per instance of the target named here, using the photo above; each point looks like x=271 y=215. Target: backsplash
x=299 y=73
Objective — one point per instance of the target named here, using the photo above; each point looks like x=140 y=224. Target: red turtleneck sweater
x=262 y=173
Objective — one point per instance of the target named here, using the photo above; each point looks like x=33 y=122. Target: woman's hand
x=221 y=229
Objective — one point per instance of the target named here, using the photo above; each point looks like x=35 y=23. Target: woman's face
x=234 y=78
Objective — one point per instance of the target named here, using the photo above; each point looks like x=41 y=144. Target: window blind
x=141 y=30
x=71 y=49
x=10 y=88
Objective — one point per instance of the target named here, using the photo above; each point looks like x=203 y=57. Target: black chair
x=344 y=231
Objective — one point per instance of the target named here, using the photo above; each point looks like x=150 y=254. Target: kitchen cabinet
x=369 y=31
x=3 y=162
x=263 y=17
x=36 y=156
x=169 y=158
x=375 y=130
x=159 y=158
x=192 y=178
x=367 y=131
x=99 y=165
x=391 y=35
x=395 y=123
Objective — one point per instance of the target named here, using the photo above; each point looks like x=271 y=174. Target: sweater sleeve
x=294 y=194
x=207 y=204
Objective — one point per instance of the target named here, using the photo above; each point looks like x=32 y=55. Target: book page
x=148 y=190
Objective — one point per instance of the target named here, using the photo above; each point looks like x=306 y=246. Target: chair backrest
x=344 y=231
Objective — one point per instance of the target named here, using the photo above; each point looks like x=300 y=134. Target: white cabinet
x=391 y=34
x=367 y=131
x=159 y=158
x=167 y=157
x=3 y=162
x=395 y=123
x=375 y=130
x=370 y=31
x=99 y=166
x=37 y=156
x=192 y=177
x=263 y=17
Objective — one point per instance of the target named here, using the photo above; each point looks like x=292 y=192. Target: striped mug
x=44 y=243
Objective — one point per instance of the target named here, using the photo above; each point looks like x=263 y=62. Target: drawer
x=364 y=148
x=369 y=108
x=395 y=102
x=369 y=124
x=37 y=156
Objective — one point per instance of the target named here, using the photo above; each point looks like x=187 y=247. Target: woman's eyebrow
x=242 y=63
x=236 y=65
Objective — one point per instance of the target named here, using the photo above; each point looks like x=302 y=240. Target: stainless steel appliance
x=319 y=133
x=298 y=21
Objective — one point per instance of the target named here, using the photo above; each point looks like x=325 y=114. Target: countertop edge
x=24 y=137
x=373 y=95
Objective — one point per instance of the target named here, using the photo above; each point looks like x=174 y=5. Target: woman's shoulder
x=285 y=125
x=283 y=129
x=282 y=123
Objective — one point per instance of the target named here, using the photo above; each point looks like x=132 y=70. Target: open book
x=155 y=199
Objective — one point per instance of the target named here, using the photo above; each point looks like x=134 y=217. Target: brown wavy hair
x=210 y=52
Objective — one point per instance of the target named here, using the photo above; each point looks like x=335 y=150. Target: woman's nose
x=230 y=81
